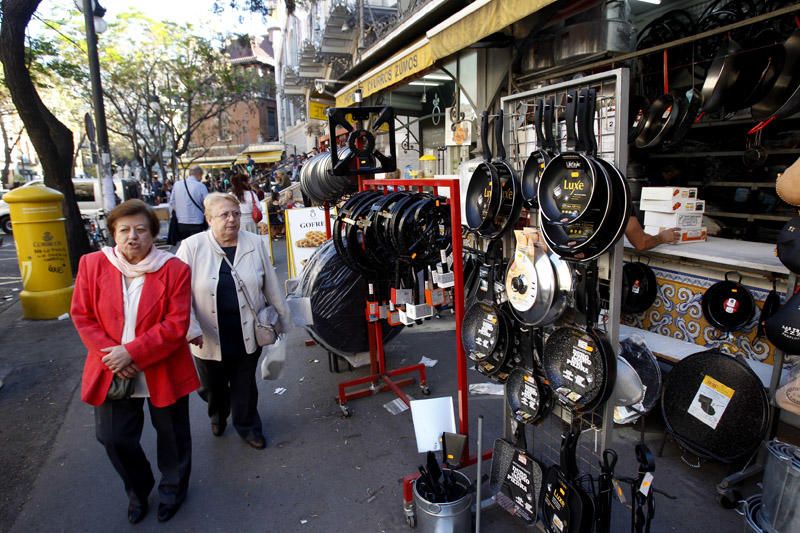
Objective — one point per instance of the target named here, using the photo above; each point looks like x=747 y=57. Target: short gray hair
x=215 y=198
x=196 y=170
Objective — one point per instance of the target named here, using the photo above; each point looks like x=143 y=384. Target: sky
x=197 y=12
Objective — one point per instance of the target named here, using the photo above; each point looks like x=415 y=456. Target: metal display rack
x=612 y=88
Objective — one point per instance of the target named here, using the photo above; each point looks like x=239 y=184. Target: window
x=84 y=192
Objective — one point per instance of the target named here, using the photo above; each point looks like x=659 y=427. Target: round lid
x=521 y=282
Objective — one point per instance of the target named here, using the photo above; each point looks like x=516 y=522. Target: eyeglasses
x=229 y=214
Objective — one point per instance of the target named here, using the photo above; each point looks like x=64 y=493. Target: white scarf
x=152 y=263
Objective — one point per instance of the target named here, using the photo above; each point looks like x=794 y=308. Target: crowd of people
x=159 y=326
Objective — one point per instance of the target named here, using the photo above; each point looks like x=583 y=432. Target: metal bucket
x=452 y=517
x=780 y=501
x=752 y=507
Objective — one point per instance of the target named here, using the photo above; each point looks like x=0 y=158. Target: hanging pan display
x=485 y=326
x=690 y=104
x=568 y=183
x=541 y=155
x=728 y=305
x=511 y=199
x=483 y=189
x=566 y=506
x=639 y=287
x=715 y=406
x=662 y=116
x=783 y=98
x=529 y=398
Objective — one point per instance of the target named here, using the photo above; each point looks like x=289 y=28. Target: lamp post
x=154 y=103
x=93 y=18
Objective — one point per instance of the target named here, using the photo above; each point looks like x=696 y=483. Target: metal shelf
x=731 y=153
x=748 y=216
x=749 y=184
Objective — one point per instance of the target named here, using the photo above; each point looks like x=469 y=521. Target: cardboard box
x=673 y=206
x=669 y=193
x=688 y=235
x=679 y=219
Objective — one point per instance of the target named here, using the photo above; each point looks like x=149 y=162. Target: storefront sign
x=317 y=109
x=305 y=232
x=406 y=64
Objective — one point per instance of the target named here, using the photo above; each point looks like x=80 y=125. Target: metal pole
x=105 y=180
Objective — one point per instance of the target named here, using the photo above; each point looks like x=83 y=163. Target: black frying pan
x=715 y=406
x=691 y=102
x=485 y=327
x=566 y=507
x=728 y=305
x=662 y=116
x=568 y=183
x=483 y=191
x=511 y=194
x=529 y=398
x=783 y=99
x=639 y=287
x=538 y=159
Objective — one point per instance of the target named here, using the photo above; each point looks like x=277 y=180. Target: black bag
x=121 y=388
x=172 y=234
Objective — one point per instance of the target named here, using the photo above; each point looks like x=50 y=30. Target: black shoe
x=167 y=511
x=218 y=428
x=136 y=512
x=256 y=441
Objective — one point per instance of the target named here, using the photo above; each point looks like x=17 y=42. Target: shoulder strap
x=192 y=199
x=241 y=286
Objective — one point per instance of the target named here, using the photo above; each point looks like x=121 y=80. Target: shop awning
x=261 y=153
x=224 y=161
x=478 y=20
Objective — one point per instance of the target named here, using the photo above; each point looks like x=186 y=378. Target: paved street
x=10 y=284
x=320 y=472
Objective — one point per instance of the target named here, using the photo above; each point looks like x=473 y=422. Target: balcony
x=310 y=65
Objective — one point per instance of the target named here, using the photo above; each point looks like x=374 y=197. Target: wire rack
x=519 y=136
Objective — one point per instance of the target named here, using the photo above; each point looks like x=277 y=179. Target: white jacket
x=204 y=255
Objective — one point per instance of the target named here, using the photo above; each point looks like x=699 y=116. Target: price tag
x=444 y=280
x=647 y=483
x=402 y=296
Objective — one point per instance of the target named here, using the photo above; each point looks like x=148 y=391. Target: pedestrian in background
x=131 y=307
x=187 y=202
x=248 y=201
x=234 y=289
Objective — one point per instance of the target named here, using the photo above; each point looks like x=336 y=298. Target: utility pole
x=91 y=9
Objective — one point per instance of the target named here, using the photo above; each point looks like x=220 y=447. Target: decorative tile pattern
x=677 y=313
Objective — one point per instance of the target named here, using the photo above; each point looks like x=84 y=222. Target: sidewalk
x=320 y=472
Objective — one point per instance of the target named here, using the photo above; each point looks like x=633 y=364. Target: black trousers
x=229 y=387
x=187 y=230
x=118 y=426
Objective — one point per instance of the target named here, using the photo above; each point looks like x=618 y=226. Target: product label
x=517 y=486
x=731 y=305
x=529 y=395
x=711 y=401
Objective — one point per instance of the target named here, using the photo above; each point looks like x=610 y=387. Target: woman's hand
x=129 y=371
x=117 y=358
x=197 y=341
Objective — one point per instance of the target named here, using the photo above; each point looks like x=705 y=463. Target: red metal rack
x=381 y=379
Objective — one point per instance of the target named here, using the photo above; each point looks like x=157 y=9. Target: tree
x=51 y=139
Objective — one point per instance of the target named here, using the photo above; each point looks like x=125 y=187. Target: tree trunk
x=7 y=154
x=51 y=139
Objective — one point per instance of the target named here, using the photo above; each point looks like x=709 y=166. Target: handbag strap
x=243 y=289
x=192 y=199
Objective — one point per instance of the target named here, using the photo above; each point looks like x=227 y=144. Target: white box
x=688 y=235
x=669 y=193
x=673 y=206
x=679 y=219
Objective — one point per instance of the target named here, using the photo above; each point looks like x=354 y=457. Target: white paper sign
x=431 y=418
x=460 y=135
x=710 y=402
x=305 y=233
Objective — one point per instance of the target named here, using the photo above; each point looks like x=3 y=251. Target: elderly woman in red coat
x=131 y=308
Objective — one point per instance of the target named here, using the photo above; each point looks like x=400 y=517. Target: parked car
x=87 y=193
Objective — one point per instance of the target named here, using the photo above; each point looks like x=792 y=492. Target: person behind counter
x=644 y=241
x=131 y=307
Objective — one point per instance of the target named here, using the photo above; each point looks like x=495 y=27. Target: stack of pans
x=374 y=231
x=584 y=200
x=320 y=184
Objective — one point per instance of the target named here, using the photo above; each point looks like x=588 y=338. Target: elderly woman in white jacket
x=225 y=262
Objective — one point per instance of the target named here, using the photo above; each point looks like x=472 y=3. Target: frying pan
x=644 y=362
x=566 y=507
x=637 y=115
x=506 y=356
x=484 y=324
x=511 y=194
x=483 y=189
x=516 y=477
x=567 y=185
x=691 y=102
x=662 y=116
x=639 y=287
x=728 y=305
x=529 y=399
x=529 y=296
x=715 y=406
x=783 y=99
x=538 y=159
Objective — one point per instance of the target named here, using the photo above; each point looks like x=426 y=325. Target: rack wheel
x=729 y=498
x=426 y=391
x=411 y=520
x=346 y=412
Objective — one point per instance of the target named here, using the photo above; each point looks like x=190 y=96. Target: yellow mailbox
x=38 y=223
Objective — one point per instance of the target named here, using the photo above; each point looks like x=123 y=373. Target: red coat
x=160 y=348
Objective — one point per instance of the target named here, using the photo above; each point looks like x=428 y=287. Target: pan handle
x=580 y=143
x=487 y=153
x=498 y=136
x=549 y=109
x=572 y=100
x=538 y=111
x=733 y=272
x=591 y=108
